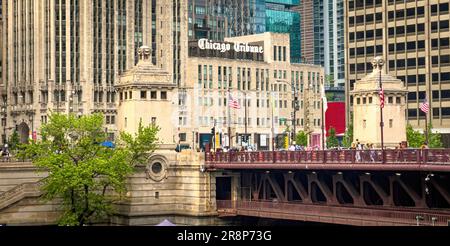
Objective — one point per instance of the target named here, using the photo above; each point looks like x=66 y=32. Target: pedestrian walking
x=371 y=152
x=358 y=151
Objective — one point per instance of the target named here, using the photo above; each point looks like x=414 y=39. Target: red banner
x=335 y=117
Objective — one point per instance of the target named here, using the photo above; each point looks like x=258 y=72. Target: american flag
x=234 y=103
x=381 y=98
x=425 y=107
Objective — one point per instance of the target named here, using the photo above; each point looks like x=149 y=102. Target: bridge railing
x=406 y=156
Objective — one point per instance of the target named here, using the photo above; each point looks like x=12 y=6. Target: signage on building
x=205 y=44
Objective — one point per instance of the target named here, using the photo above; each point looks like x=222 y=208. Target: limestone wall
x=13 y=174
x=183 y=194
x=178 y=191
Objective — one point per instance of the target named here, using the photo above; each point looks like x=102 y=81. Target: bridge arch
x=371 y=196
x=317 y=195
x=342 y=194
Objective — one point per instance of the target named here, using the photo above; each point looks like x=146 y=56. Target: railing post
x=425 y=156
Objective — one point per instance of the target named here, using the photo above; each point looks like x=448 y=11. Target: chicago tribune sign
x=206 y=44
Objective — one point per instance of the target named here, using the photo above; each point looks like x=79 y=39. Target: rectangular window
x=274 y=53
x=163 y=95
x=153 y=95
x=143 y=94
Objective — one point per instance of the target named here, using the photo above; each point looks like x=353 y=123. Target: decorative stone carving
x=144 y=53
x=156 y=170
x=378 y=63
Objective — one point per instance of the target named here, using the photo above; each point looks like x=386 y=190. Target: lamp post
x=31 y=118
x=4 y=122
x=378 y=63
x=245 y=115
x=295 y=107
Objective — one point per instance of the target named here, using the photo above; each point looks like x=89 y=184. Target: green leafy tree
x=14 y=141
x=86 y=175
x=348 y=136
x=416 y=138
x=332 y=140
x=301 y=139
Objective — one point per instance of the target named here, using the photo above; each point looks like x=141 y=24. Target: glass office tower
x=282 y=18
x=328 y=18
x=218 y=19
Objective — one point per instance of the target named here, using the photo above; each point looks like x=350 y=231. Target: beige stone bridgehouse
x=367 y=108
x=414 y=39
x=253 y=70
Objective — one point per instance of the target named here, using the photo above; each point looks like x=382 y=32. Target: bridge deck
x=387 y=160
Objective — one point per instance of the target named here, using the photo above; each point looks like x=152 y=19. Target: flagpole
x=229 y=119
x=323 y=124
x=380 y=63
x=426 y=128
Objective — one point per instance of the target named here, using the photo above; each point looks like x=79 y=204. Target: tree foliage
x=332 y=140
x=86 y=175
x=416 y=138
x=301 y=139
x=14 y=141
x=348 y=136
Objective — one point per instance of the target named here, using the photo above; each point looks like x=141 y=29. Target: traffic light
x=213 y=131
x=286 y=142
x=296 y=105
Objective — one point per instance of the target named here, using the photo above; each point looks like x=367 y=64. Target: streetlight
x=245 y=117
x=296 y=107
x=378 y=63
x=31 y=118
x=4 y=121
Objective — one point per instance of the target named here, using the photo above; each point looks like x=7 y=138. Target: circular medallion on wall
x=156 y=170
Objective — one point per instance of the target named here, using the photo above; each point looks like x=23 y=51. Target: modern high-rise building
x=282 y=17
x=307 y=30
x=218 y=19
x=65 y=55
x=414 y=39
x=322 y=28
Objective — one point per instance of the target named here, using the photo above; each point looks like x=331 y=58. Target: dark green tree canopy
x=416 y=138
x=301 y=139
x=348 y=136
x=332 y=140
x=88 y=176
